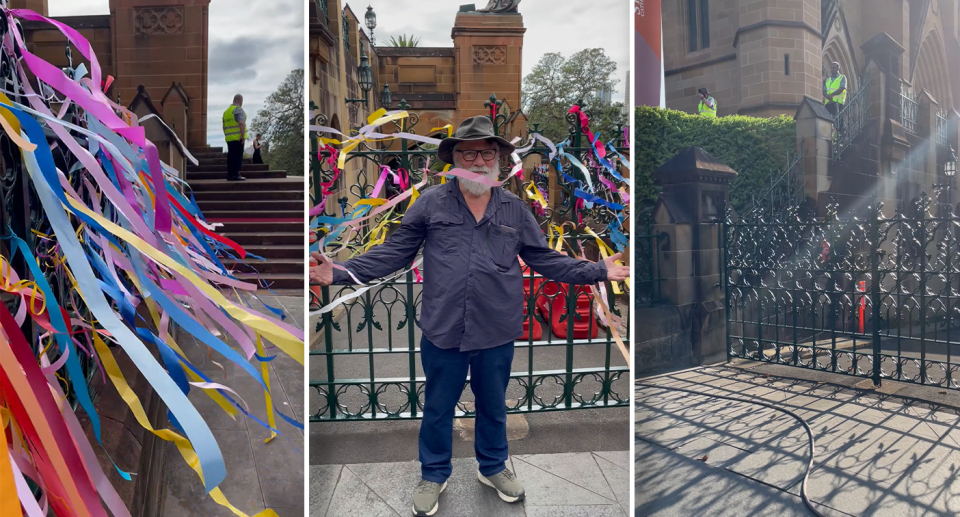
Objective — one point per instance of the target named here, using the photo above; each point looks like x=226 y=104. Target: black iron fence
x=364 y=359
x=870 y=295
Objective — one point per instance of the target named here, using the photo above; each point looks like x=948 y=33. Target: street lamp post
x=371 y=21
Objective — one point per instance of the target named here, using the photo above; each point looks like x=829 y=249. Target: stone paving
x=893 y=451
x=259 y=475
x=587 y=484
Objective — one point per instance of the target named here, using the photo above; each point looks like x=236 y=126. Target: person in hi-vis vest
x=708 y=105
x=235 y=133
x=834 y=90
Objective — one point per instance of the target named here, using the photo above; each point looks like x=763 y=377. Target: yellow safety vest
x=231 y=128
x=833 y=84
x=706 y=111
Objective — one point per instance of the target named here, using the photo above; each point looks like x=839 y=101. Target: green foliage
x=556 y=83
x=280 y=126
x=404 y=41
x=757 y=148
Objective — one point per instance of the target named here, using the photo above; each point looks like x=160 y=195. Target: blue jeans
x=446 y=372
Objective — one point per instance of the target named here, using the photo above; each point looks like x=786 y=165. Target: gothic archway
x=930 y=72
x=836 y=50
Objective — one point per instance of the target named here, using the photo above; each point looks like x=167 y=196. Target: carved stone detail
x=500 y=6
x=159 y=20
x=489 y=55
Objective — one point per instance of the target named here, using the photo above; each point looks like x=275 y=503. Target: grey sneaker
x=426 y=498
x=506 y=484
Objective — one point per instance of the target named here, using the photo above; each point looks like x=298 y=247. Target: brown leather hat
x=472 y=129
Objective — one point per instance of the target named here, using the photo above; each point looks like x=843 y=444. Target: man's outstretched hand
x=615 y=273
x=322 y=273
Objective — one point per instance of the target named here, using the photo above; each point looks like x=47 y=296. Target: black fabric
x=234 y=158
x=256 y=156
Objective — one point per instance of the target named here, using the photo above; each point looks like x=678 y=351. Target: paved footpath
x=259 y=475
x=892 y=451
x=584 y=484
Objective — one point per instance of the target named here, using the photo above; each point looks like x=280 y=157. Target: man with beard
x=472 y=301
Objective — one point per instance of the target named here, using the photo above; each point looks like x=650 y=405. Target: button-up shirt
x=473 y=294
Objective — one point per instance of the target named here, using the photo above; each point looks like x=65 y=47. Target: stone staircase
x=264 y=214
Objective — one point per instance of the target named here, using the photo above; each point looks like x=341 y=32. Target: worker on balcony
x=472 y=300
x=708 y=105
x=835 y=90
x=235 y=133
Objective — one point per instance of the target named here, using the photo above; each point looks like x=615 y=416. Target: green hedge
x=757 y=148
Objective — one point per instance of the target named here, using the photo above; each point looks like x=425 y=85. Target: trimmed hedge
x=757 y=148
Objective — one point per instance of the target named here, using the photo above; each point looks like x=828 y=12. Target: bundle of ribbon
x=140 y=256
x=598 y=188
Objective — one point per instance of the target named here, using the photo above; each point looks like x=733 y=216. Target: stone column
x=687 y=216
x=489 y=54
x=815 y=140
x=928 y=131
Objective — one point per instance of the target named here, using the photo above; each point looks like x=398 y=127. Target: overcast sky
x=552 y=26
x=254 y=44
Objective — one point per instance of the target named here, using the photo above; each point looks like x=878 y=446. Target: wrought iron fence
x=851 y=120
x=869 y=296
x=364 y=363
x=647 y=282
x=786 y=189
x=909 y=111
x=942 y=128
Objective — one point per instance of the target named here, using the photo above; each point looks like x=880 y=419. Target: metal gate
x=363 y=361
x=874 y=295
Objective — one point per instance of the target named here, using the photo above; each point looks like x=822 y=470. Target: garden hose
x=806 y=427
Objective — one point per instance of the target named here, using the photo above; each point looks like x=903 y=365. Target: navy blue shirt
x=472 y=282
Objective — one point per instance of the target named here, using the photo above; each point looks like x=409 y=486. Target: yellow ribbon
x=606 y=251
x=265 y=373
x=112 y=369
x=448 y=129
x=9 y=500
x=284 y=340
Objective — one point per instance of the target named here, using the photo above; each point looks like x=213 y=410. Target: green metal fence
x=364 y=360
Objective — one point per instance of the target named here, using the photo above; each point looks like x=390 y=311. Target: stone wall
x=662 y=340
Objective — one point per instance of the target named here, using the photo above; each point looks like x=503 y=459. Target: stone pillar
x=489 y=54
x=928 y=131
x=815 y=139
x=687 y=215
x=156 y=42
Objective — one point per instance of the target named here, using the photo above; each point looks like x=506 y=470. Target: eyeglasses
x=487 y=155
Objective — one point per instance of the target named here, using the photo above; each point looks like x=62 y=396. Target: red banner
x=648 y=56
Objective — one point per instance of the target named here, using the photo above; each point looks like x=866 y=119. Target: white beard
x=475 y=187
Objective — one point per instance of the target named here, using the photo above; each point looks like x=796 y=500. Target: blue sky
x=254 y=44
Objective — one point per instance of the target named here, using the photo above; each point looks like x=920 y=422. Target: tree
x=556 y=83
x=404 y=41
x=280 y=125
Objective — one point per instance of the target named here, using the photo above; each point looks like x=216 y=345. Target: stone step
x=276 y=281
x=254 y=238
x=223 y=167
x=272 y=195
x=271 y=266
x=277 y=251
x=263 y=226
x=241 y=209
x=205 y=149
x=293 y=210
x=218 y=159
x=257 y=185
x=222 y=175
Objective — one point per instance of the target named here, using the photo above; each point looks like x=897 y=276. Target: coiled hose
x=806 y=427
